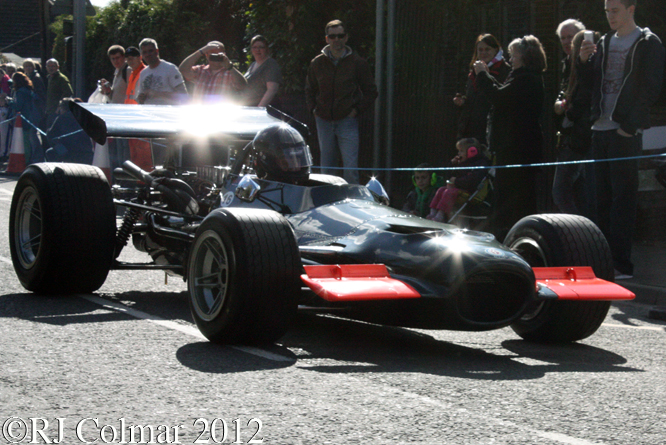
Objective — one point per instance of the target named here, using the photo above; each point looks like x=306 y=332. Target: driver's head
x=281 y=154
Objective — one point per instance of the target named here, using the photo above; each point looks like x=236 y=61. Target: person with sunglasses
x=339 y=86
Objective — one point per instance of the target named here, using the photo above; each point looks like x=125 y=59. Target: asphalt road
x=127 y=360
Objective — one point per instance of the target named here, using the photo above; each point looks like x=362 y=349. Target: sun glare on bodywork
x=205 y=120
x=456 y=242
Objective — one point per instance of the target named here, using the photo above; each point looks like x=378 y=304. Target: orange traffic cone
x=101 y=159
x=16 y=162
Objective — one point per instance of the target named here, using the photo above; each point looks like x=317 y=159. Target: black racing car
x=259 y=238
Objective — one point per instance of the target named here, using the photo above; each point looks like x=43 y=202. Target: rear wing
x=100 y=121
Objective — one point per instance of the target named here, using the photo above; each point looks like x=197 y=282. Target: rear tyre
x=62 y=228
x=244 y=276
x=561 y=240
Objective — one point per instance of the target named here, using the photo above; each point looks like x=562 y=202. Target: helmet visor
x=293 y=158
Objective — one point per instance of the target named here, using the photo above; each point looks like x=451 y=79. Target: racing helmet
x=281 y=154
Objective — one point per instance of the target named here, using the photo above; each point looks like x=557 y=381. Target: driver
x=281 y=154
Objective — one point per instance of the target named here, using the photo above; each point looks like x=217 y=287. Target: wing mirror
x=247 y=189
x=378 y=190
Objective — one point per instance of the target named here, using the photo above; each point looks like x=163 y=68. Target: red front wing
x=362 y=282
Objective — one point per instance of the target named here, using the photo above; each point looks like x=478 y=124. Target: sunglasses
x=342 y=35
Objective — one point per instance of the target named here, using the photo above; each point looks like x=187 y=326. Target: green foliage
x=178 y=26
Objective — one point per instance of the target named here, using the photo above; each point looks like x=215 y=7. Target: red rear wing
x=579 y=283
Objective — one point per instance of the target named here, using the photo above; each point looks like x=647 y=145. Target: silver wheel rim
x=530 y=250
x=209 y=275
x=28 y=228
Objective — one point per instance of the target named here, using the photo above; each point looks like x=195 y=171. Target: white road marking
x=5 y=199
x=645 y=328
x=185 y=329
x=7 y=192
x=6 y=260
x=451 y=408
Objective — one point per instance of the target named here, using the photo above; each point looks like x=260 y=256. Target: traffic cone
x=16 y=162
x=101 y=159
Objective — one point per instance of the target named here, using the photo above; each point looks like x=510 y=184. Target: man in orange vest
x=140 y=152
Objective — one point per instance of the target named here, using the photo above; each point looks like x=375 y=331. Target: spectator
x=160 y=82
x=566 y=32
x=475 y=106
x=515 y=132
x=58 y=89
x=215 y=81
x=10 y=69
x=573 y=187
x=22 y=101
x=119 y=150
x=5 y=83
x=426 y=182
x=458 y=188
x=31 y=71
x=136 y=64
x=68 y=141
x=621 y=100
x=117 y=89
x=263 y=76
x=4 y=126
x=140 y=151
x=339 y=86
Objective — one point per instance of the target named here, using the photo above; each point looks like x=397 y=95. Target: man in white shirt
x=160 y=83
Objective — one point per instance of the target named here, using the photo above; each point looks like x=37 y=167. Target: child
x=426 y=183
x=470 y=153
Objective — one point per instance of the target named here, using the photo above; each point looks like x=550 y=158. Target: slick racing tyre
x=62 y=228
x=244 y=276
x=561 y=240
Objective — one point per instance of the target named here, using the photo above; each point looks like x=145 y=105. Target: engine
x=163 y=211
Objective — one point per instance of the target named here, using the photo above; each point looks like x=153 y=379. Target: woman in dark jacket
x=474 y=105
x=573 y=184
x=22 y=102
x=515 y=131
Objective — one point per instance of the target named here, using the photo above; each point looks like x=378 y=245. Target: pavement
x=648 y=282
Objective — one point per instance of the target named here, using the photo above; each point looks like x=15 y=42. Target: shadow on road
x=333 y=345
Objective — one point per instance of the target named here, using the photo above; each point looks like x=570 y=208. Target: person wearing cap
x=218 y=79
x=136 y=65
x=140 y=151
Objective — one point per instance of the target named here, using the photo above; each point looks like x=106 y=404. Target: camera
x=589 y=36
x=219 y=57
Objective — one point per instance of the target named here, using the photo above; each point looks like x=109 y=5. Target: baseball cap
x=132 y=51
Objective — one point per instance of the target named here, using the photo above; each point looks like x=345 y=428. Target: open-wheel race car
x=260 y=237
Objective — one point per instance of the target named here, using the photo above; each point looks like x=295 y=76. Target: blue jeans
x=617 y=192
x=339 y=138
x=569 y=183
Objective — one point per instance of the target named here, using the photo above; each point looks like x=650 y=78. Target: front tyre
x=243 y=276
x=561 y=240
x=62 y=228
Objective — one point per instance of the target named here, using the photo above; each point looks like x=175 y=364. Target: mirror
x=378 y=190
x=247 y=189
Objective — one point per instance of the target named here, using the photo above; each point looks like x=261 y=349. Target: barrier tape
x=8 y=120
x=488 y=167
x=25 y=119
